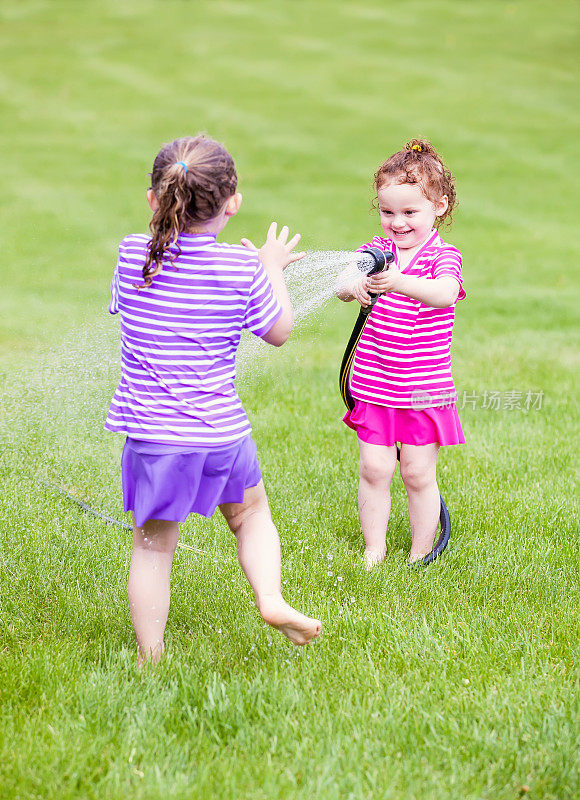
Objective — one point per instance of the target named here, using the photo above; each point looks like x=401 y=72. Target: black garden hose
x=85 y=506
x=99 y=514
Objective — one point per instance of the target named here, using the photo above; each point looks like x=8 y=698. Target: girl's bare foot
x=373 y=558
x=418 y=553
x=151 y=657
x=297 y=627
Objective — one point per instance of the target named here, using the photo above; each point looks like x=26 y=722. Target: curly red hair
x=418 y=162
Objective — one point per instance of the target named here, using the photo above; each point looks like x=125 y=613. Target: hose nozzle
x=371 y=261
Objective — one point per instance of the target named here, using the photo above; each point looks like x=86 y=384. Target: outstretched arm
x=275 y=255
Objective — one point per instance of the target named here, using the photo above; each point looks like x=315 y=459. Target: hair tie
x=417 y=147
x=183 y=164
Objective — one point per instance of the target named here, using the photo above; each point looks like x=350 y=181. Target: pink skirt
x=388 y=426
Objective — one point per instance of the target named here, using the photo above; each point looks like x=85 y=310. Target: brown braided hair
x=419 y=162
x=187 y=196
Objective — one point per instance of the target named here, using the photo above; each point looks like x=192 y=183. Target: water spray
x=371 y=261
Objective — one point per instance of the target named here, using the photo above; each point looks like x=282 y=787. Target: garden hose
x=382 y=259
x=100 y=515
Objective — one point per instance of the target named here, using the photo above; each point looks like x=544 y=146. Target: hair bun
x=422 y=146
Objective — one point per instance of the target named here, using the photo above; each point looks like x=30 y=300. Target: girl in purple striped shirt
x=401 y=378
x=183 y=299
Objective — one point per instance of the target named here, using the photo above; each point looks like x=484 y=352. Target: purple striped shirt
x=403 y=358
x=179 y=339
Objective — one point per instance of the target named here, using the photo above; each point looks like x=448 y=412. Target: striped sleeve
x=378 y=241
x=263 y=309
x=447 y=264
x=114 y=304
x=363 y=247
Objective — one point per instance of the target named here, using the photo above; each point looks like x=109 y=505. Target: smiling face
x=407 y=216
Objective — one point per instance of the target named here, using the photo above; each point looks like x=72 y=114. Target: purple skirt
x=387 y=426
x=170 y=482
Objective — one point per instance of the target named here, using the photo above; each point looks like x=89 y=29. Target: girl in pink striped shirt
x=401 y=378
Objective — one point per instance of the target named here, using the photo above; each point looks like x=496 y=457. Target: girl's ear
x=233 y=204
x=441 y=206
x=152 y=200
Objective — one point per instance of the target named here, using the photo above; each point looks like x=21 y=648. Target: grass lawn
x=458 y=681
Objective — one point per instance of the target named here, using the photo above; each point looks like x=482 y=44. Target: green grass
x=459 y=681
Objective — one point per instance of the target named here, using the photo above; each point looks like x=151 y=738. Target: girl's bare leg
x=153 y=548
x=418 y=471
x=377 y=467
x=259 y=555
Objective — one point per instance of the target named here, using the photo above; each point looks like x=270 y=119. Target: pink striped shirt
x=403 y=358
x=179 y=339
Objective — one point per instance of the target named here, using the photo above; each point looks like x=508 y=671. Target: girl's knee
x=375 y=469
x=415 y=476
x=237 y=517
x=419 y=466
x=158 y=536
x=241 y=516
x=237 y=514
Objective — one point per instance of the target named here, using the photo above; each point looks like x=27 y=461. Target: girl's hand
x=387 y=281
x=359 y=290
x=349 y=287
x=276 y=252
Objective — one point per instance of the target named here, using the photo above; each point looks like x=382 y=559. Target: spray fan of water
x=53 y=408
x=311 y=283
